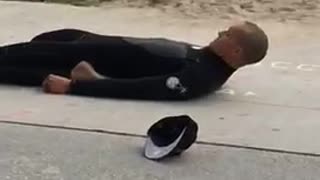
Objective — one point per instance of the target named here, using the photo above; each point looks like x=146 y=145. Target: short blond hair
x=255 y=43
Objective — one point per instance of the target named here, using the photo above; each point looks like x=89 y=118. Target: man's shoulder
x=165 y=40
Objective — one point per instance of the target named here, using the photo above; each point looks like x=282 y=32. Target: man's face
x=228 y=42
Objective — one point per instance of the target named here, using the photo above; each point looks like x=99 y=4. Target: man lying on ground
x=77 y=62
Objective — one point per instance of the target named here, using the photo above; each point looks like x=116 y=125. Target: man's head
x=241 y=44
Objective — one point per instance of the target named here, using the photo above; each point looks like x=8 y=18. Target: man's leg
x=115 y=57
x=42 y=55
x=63 y=35
x=30 y=63
x=27 y=76
x=111 y=56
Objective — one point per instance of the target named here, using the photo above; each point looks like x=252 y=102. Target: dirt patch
x=278 y=10
x=254 y=9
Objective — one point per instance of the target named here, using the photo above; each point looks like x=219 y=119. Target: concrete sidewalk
x=40 y=153
x=272 y=106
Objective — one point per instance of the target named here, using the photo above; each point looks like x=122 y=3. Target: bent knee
x=60 y=35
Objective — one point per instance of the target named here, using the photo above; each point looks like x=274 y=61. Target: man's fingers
x=52 y=77
x=55 y=84
x=46 y=83
x=46 y=86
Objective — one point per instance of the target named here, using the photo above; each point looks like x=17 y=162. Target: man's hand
x=56 y=84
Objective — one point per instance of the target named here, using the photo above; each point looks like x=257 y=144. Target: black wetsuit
x=139 y=68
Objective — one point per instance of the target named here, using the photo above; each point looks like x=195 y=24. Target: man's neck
x=226 y=59
x=231 y=63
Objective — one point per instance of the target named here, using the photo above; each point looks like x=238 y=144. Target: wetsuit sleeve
x=175 y=86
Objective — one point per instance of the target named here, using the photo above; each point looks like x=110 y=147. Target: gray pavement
x=33 y=153
x=271 y=106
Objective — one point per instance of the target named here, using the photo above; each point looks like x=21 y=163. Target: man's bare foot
x=56 y=84
x=84 y=71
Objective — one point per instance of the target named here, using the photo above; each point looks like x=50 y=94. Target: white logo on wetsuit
x=174 y=84
x=196 y=47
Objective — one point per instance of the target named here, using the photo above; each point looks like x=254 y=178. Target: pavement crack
x=216 y=144
x=274 y=105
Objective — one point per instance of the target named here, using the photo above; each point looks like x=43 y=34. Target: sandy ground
x=278 y=10
x=285 y=21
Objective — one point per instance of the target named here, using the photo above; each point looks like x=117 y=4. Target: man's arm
x=176 y=86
